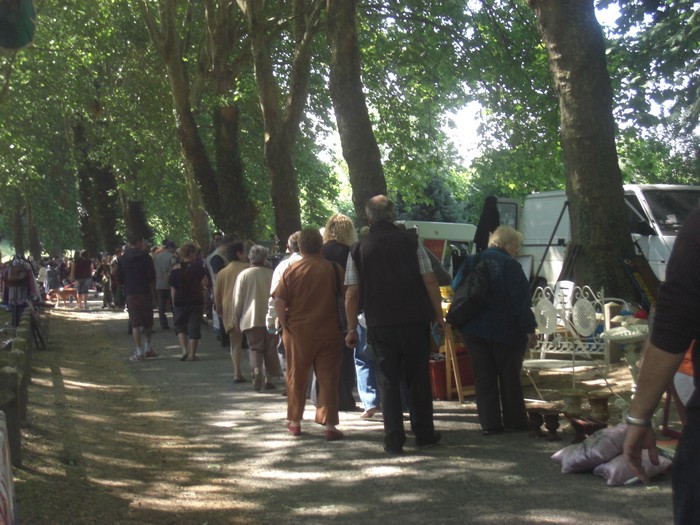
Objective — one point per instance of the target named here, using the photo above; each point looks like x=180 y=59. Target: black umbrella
x=488 y=222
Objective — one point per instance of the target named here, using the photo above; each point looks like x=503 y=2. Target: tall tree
x=222 y=186
x=282 y=116
x=576 y=51
x=360 y=148
x=657 y=47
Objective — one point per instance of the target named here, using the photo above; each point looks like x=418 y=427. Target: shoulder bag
x=471 y=297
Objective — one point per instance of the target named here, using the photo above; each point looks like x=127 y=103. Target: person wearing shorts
x=82 y=275
x=189 y=285
x=137 y=275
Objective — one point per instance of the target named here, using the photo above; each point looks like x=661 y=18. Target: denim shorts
x=188 y=320
x=84 y=285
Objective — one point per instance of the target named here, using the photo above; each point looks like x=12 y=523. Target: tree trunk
x=233 y=194
x=34 y=242
x=576 y=51
x=18 y=226
x=136 y=223
x=199 y=221
x=234 y=199
x=282 y=123
x=357 y=139
x=222 y=187
x=89 y=201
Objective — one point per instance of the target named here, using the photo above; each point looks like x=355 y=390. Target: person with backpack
x=498 y=334
x=19 y=287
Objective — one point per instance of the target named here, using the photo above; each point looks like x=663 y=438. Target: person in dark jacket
x=390 y=277
x=338 y=235
x=498 y=337
x=137 y=274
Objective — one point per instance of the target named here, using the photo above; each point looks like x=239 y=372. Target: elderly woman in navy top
x=498 y=336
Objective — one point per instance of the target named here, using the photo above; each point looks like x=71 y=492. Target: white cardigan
x=250 y=297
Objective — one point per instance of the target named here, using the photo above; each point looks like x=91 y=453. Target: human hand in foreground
x=351 y=339
x=531 y=340
x=636 y=439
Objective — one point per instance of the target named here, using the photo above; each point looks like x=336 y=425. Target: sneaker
x=136 y=357
x=431 y=441
x=150 y=353
x=492 y=431
x=257 y=382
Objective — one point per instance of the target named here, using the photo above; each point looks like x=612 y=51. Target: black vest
x=391 y=287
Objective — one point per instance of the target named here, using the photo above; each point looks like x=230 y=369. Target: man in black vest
x=389 y=276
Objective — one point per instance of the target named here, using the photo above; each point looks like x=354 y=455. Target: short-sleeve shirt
x=187 y=281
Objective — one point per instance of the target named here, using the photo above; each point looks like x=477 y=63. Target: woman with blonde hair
x=338 y=235
x=341 y=230
x=498 y=336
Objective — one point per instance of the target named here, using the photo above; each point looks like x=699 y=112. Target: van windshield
x=671 y=207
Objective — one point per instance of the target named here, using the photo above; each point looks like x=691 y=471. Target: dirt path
x=161 y=441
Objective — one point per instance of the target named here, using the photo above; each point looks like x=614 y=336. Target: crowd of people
x=337 y=313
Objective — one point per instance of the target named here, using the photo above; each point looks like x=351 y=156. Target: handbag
x=340 y=301
x=471 y=297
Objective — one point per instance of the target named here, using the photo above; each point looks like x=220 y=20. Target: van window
x=636 y=218
x=671 y=207
x=508 y=213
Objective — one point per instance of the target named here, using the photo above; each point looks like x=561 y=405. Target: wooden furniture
x=453 y=379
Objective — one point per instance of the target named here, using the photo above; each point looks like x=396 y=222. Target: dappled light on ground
x=162 y=441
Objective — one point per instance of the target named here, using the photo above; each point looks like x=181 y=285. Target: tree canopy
x=93 y=126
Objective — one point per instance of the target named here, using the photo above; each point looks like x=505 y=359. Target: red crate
x=437 y=375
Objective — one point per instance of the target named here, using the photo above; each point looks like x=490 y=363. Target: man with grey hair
x=273 y=325
x=250 y=297
x=389 y=277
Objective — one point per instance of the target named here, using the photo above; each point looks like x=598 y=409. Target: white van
x=450 y=242
x=655 y=213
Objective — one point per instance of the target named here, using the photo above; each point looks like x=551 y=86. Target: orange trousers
x=304 y=351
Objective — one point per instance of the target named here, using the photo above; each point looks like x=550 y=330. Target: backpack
x=17 y=274
x=471 y=296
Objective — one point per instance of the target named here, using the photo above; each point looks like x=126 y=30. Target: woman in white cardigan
x=250 y=300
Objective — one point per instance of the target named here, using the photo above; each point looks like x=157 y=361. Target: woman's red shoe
x=334 y=435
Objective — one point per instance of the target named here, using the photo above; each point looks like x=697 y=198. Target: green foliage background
x=422 y=59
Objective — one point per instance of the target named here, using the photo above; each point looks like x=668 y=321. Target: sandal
x=136 y=357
